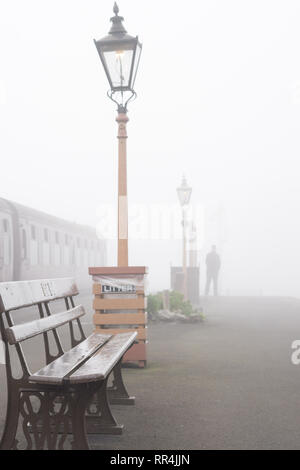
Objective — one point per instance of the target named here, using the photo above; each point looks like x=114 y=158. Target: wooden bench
x=70 y=394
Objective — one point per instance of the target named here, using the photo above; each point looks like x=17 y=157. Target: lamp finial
x=116 y=9
x=117 y=26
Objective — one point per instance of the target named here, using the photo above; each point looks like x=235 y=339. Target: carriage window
x=34 y=254
x=6 y=243
x=78 y=252
x=24 y=244
x=57 y=250
x=46 y=248
x=73 y=257
x=5 y=225
x=67 y=257
x=33 y=232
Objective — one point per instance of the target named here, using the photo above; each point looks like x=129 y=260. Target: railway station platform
x=226 y=383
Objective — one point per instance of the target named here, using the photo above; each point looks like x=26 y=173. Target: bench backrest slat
x=16 y=295
x=18 y=333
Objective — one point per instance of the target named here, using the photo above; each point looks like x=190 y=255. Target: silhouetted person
x=213 y=264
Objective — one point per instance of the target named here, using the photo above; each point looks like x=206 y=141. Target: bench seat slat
x=18 y=333
x=101 y=364
x=55 y=372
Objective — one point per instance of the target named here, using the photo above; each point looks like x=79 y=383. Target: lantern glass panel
x=184 y=195
x=119 y=67
x=136 y=62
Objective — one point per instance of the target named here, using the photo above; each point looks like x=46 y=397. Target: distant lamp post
x=120 y=55
x=184 y=195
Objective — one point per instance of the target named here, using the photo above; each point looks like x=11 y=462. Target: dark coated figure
x=213 y=264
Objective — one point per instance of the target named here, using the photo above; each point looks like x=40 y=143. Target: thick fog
x=218 y=100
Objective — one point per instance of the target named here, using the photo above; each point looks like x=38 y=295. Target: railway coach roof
x=42 y=217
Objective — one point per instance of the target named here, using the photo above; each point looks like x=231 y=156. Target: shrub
x=177 y=302
x=154 y=304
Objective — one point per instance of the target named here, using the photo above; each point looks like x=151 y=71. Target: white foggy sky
x=218 y=99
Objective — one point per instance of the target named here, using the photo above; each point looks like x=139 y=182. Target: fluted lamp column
x=184 y=193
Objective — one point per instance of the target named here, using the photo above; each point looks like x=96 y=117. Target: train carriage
x=35 y=245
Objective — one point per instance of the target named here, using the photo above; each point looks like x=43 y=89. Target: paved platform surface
x=227 y=383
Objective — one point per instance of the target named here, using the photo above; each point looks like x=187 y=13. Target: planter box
x=120 y=306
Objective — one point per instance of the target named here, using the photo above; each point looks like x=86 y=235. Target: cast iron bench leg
x=9 y=441
x=117 y=393
x=78 y=415
x=99 y=418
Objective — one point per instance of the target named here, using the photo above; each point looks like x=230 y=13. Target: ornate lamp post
x=184 y=195
x=120 y=55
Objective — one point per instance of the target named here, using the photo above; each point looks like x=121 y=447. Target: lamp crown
x=117 y=26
